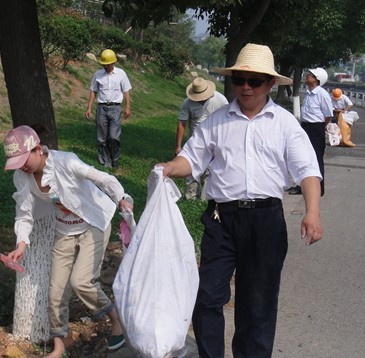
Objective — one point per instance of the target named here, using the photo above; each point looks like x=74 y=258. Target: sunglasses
x=252 y=82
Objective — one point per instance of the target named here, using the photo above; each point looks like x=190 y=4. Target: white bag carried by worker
x=156 y=285
x=350 y=117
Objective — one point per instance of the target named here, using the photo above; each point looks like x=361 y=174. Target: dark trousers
x=316 y=134
x=108 y=131
x=254 y=243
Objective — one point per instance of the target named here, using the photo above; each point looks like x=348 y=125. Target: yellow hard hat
x=337 y=93
x=108 y=57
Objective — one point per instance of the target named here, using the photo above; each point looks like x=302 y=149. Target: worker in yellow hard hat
x=110 y=86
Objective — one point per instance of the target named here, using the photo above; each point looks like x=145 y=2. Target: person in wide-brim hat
x=200 y=89
x=255 y=58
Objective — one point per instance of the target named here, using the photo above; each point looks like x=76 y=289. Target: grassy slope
x=148 y=137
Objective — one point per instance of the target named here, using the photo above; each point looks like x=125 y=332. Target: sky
x=201 y=25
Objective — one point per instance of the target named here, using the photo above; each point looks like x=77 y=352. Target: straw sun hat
x=255 y=58
x=200 y=89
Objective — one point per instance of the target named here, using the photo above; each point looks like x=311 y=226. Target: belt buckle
x=246 y=204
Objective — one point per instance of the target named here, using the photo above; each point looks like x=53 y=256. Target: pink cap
x=18 y=144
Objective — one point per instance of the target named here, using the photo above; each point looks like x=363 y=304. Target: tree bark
x=238 y=35
x=24 y=68
x=31 y=294
x=30 y=103
x=296 y=90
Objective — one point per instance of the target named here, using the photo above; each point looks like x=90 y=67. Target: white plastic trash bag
x=156 y=285
x=350 y=117
x=333 y=134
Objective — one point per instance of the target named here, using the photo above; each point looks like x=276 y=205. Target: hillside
x=148 y=137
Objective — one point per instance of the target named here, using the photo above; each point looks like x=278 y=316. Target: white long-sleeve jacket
x=91 y=194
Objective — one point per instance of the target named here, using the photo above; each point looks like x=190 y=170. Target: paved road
x=322 y=299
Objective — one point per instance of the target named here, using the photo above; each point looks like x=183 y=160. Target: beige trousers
x=76 y=265
x=195 y=190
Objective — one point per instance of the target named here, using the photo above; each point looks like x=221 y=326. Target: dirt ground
x=87 y=338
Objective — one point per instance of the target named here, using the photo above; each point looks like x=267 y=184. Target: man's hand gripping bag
x=156 y=285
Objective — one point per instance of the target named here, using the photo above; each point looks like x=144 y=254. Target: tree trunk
x=285 y=70
x=238 y=35
x=296 y=91
x=30 y=103
x=24 y=68
x=31 y=294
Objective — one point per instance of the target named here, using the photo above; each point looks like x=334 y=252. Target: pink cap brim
x=16 y=162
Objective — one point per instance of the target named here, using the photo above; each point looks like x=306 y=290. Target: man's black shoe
x=296 y=190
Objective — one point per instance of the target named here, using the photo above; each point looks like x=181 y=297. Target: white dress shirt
x=250 y=159
x=110 y=86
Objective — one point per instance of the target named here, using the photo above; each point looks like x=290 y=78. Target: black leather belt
x=251 y=204
x=109 y=104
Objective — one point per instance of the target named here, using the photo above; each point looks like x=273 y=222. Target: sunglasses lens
x=252 y=82
x=238 y=81
x=255 y=82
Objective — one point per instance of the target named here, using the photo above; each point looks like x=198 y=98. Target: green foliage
x=114 y=38
x=46 y=7
x=170 y=62
x=65 y=35
x=210 y=52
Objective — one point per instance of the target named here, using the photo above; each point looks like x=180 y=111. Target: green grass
x=148 y=137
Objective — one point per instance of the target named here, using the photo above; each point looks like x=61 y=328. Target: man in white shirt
x=202 y=99
x=111 y=86
x=316 y=113
x=252 y=148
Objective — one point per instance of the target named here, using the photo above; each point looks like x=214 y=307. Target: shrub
x=65 y=35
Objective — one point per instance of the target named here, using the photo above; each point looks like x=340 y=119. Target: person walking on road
x=111 y=86
x=252 y=148
x=202 y=99
x=316 y=113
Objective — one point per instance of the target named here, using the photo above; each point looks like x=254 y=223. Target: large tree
x=321 y=36
x=24 y=68
x=30 y=103
x=233 y=19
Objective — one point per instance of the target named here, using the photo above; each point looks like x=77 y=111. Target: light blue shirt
x=317 y=106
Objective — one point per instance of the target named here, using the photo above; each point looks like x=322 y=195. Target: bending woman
x=84 y=200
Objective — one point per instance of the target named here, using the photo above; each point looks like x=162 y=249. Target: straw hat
x=200 y=89
x=255 y=58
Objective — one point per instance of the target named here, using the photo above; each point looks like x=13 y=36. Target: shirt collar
x=268 y=109
x=315 y=90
